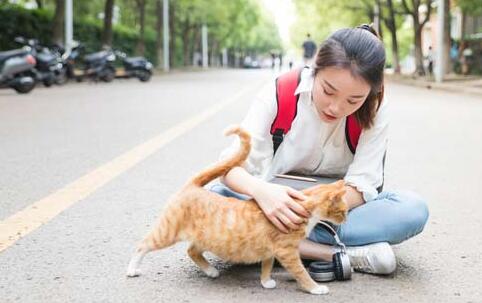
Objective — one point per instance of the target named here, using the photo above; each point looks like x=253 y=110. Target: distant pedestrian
x=429 y=58
x=309 y=49
x=280 y=56
x=466 y=59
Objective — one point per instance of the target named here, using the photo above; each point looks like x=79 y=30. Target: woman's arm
x=276 y=201
x=365 y=173
x=239 y=180
x=353 y=197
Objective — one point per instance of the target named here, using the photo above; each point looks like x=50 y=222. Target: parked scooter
x=48 y=67
x=70 y=62
x=100 y=66
x=138 y=67
x=16 y=70
x=96 y=66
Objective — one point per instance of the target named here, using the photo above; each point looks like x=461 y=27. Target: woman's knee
x=414 y=213
x=417 y=208
x=219 y=189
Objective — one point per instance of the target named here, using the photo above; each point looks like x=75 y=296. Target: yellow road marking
x=33 y=216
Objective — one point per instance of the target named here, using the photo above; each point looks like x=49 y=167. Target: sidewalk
x=453 y=83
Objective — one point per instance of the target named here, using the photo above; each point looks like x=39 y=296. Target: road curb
x=446 y=86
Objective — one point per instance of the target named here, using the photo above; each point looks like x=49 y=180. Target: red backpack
x=287 y=102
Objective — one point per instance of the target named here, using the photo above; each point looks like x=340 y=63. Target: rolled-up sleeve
x=257 y=122
x=366 y=171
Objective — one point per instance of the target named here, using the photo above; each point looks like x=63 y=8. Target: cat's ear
x=340 y=183
x=337 y=194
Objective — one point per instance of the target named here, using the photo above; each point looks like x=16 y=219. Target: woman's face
x=337 y=94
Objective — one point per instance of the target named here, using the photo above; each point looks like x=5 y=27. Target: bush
x=18 y=21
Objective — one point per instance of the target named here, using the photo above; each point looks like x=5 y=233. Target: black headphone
x=338 y=269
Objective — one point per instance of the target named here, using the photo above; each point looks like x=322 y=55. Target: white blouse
x=314 y=147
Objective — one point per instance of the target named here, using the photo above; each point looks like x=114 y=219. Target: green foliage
x=317 y=18
x=405 y=43
x=238 y=25
x=470 y=7
x=321 y=18
x=17 y=21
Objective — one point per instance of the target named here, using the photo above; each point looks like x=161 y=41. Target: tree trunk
x=390 y=23
x=186 y=56
x=58 y=22
x=419 y=70
x=141 y=47
x=159 y=28
x=172 y=14
x=186 y=35
x=196 y=45
x=447 y=44
x=378 y=24
x=462 y=32
x=214 y=51
x=417 y=29
x=39 y=3
x=107 y=33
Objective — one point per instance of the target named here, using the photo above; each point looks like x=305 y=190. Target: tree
x=316 y=17
x=141 y=6
x=418 y=25
x=446 y=38
x=159 y=28
x=390 y=23
x=58 y=22
x=107 y=33
x=468 y=8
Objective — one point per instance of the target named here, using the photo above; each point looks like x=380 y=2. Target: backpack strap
x=352 y=132
x=287 y=103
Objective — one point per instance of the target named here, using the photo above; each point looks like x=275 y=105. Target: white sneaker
x=377 y=258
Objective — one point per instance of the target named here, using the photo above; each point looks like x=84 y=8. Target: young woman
x=346 y=78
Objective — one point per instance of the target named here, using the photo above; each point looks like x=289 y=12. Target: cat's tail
x=223 y=167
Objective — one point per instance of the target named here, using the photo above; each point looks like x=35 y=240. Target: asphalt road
x=53 y=137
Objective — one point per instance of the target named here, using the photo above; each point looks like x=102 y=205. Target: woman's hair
x=361 y=51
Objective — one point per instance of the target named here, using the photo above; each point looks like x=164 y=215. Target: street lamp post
x=204 y=33
x=165 y=10
x=439 y=63
x=69 y=27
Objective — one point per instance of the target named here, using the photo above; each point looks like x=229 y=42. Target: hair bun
x=370 y=28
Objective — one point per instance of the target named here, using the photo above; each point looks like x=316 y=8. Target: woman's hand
x=276 y=201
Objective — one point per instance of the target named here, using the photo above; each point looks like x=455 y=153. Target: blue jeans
x=391 y=217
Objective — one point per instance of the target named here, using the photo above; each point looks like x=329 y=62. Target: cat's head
x=328 y=203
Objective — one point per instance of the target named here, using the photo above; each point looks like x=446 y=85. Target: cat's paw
x=319 y=290
x=269 y=283
x=211 y=272
x=133 y=272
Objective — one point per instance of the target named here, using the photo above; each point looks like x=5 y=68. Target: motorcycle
x=16 y=70
x=138 y=67
x=48 y=69
x=70 y=62
x=100 y=66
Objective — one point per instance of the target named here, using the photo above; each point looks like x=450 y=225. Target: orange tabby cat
x=238 y=231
